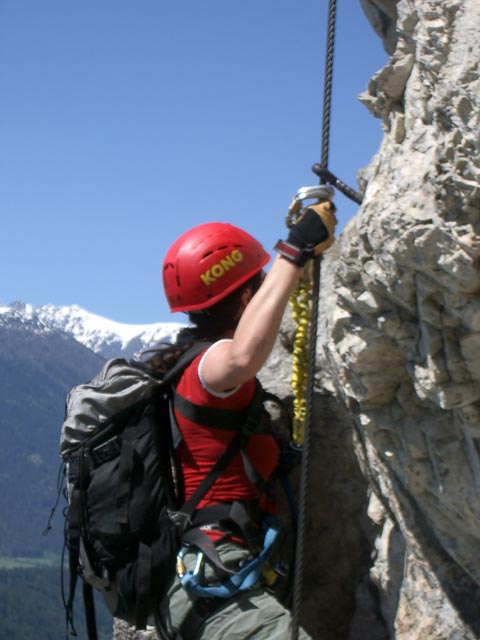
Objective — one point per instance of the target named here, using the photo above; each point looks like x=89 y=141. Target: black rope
x=305 y=468
x=328 y=82
x=312 y=347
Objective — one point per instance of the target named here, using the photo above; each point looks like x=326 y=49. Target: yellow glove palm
x=326 y=211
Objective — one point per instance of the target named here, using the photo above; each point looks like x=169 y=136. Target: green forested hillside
x=37 y=368
x=31 y=607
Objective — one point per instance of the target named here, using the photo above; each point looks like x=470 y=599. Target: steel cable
x=328 y=82
x=310 y=394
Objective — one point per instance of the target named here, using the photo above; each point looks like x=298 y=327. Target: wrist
x=299 y=256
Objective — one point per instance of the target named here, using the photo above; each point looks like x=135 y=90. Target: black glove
x=310 y=235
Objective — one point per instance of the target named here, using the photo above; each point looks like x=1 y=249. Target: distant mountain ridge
x=45 y=351
x=38 y=365
x=101 y=335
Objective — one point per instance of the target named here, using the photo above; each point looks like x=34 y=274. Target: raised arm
x=229 y=364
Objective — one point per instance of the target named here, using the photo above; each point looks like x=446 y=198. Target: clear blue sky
x=124 y=123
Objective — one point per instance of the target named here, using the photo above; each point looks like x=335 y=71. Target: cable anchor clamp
x=327 y=176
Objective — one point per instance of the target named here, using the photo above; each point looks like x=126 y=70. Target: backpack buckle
x=73 y=468
x=180 y=519
x=106 y=451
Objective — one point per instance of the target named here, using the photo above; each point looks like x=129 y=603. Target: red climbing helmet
x=207 y=263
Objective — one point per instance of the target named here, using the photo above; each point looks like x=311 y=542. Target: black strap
x=163 y=439
x=89 y=606
x=253 y=422
x=252 y=474
x=143 y=586
x=184 y=360
x=248 y=420
x=125 y=467
x=73 y=545
x=243 y=519
x=211 y=514
x=250 y=425
x=214 y=473
x=231 y=513
x=209 y=416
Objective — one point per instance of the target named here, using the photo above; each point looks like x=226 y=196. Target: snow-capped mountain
x=38 y=366
x=105 y=337
x=44 y=352
x=15 y=315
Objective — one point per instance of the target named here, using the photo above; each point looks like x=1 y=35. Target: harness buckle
x=180 y=519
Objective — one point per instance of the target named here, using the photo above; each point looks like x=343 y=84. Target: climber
x=214 y=273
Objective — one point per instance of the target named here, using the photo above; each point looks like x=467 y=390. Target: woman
x=214 y=273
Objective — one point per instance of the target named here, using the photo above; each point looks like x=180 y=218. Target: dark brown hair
x=207 y=325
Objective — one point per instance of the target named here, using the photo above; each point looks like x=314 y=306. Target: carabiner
x=199 y=563
x=319 y=192
x=180 y=567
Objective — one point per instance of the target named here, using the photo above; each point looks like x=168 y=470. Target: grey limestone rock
x=399 y=330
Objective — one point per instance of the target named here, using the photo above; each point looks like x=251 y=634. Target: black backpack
x=124 y=526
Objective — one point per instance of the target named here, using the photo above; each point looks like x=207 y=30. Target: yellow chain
x=300 y=302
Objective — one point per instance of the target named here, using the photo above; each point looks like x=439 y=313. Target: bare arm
x=230 y=364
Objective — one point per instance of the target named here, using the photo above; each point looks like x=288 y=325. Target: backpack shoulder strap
x=208 y=416
x=229 y=419
x=182 y=517
x=249 y=425
x=184 y=360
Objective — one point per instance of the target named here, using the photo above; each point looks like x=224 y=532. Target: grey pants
x=255 y=614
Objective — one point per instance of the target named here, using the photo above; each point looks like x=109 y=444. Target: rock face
x=382 y=15
x=400 y=328
x=398 y=391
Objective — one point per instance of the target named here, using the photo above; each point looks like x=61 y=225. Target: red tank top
x=201 y=446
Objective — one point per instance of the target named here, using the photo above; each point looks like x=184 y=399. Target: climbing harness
x=243 y=579
x=304 y=302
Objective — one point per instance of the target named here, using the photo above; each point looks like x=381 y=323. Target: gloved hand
x=316 y=226
x=311 y=234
